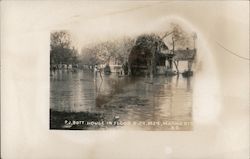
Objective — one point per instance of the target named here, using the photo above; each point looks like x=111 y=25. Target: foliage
x=147 y=40
x=103 y=52
x=180 y=38
x=118 y=50
x=61 y=50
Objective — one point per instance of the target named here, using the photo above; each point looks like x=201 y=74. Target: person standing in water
x=96 y=70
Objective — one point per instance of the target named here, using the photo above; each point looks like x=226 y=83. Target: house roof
x=184 y=55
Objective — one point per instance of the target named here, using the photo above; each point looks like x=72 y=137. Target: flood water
x=131 y=99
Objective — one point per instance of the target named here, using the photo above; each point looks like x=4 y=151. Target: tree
x=61 y=49
x=148 y=45
x=60 y=39
x=147 y=41
x=103 y=52
x=180 y=38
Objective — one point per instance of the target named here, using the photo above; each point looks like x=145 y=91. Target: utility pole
x=194 y=38
x=171 y=60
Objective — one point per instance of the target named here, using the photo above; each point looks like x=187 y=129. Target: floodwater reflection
x=129 y=99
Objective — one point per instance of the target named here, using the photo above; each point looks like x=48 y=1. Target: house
x=185 y=55
x=148 y=55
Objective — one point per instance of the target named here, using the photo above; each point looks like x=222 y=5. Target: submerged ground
x=81 y=100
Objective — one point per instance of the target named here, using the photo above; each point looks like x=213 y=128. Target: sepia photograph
x=124 y=79
x=131 y=82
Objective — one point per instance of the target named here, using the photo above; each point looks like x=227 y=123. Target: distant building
x=184 y=55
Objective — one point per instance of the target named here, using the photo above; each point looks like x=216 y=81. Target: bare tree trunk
x=153 y=64
x=176 y=66
x=151 y=69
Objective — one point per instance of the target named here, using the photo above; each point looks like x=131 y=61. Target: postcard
x=124 y=79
